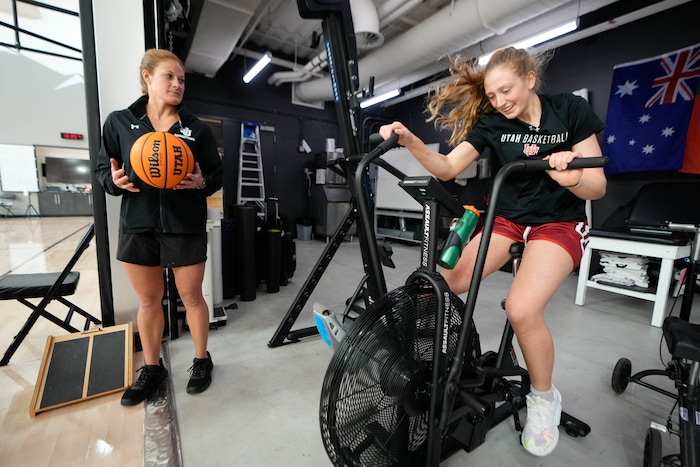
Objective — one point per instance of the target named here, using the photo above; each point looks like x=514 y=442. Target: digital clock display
x=71 y=136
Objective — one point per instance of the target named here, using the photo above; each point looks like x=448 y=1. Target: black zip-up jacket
x=153 y=209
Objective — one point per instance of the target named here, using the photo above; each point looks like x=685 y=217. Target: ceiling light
x=257 y=68
x=538 y=39
x=379 y=98
x=547 y=35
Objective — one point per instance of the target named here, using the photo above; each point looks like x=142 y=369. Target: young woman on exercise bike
x=498 y=107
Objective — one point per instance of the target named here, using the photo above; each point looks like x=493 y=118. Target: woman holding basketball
x=162 y=228
x=498 y=107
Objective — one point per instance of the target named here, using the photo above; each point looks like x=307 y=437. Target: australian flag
x=649 y=111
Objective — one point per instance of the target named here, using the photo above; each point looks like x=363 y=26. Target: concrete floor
x=262 y=408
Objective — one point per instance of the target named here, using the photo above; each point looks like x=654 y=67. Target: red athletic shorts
x=572 y=236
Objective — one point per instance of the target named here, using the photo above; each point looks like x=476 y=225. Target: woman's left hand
x=559 y=161
x=192 y=181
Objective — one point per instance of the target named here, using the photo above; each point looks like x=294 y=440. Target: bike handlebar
x=533 y=165
x=536 y=165
x=381 y=146
x=391 y=142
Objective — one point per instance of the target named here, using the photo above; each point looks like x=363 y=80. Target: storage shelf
x=398 y=234
x=399 y=213
x=650 y=296
x=408 y=231
x=63 y=203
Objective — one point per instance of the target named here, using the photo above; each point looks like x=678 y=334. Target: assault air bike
x=409 y=384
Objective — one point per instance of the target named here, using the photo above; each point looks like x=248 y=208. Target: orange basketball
x=161 y=159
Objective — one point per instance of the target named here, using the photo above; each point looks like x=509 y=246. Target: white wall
x=119 y=44
x=38 y=103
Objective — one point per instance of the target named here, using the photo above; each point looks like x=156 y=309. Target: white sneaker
x=541 y=431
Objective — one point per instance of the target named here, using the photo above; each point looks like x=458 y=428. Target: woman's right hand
x=405 y=135
x=120 y=179
x=444 y=167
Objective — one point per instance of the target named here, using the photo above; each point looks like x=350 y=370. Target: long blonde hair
x=457 y=105
x=150 y=61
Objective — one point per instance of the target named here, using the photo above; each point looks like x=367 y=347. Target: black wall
x=585 y=64
x=226 y=98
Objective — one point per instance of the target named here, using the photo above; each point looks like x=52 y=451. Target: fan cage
x=376 y=391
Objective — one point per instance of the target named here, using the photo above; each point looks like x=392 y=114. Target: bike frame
x=689 y=377
x=446 y=390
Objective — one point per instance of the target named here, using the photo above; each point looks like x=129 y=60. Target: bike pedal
x=328 y=325
x=511 y=399
x=573 y=426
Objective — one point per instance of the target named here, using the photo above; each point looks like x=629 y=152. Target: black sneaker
x=149 y=380
x=201 y=370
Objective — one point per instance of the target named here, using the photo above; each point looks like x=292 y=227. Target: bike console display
x=426 y=187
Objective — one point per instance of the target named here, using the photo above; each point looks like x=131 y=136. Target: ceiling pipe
x=366 y=23
x=612 y=23
x=393 y=9
x=313 y=68
x=265 y=5
x=451 y=29
x=562 y=41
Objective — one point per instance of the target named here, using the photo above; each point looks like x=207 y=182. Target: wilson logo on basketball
x=161 y=159
x=154 y=160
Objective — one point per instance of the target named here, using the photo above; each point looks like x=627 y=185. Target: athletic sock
x=546 y=395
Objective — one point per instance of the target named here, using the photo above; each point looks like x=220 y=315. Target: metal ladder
x=251 y=184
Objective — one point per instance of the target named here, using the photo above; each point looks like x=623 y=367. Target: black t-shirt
x=533 y=198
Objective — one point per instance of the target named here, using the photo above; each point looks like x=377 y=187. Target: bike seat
x=516 y=249
x=682 y=338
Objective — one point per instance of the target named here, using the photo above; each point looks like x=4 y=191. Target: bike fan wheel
x=376 y=392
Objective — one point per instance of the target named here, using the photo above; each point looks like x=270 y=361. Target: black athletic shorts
x=164 y=250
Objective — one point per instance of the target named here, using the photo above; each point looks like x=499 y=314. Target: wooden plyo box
x=82 y=366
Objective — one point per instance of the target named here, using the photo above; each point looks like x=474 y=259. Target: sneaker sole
x=136 y=401
x=555 y=436
x=549 y=449
x=197 y=390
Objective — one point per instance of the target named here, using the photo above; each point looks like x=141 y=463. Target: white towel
x=623 y=261
x=624 y=277
x=634 y=275
x=602 y=277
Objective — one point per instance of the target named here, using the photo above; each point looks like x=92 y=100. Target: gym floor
x=262 y=407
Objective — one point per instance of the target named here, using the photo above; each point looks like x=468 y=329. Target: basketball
x=161 y=159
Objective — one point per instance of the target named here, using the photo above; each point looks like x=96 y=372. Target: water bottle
x=461 y=231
